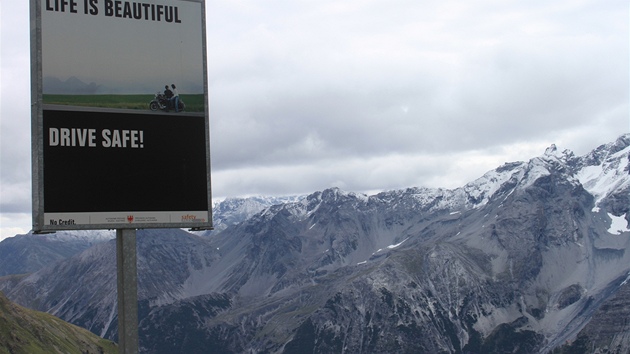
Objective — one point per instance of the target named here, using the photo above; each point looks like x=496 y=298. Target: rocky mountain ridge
x=520 y=260
x=28 y=253
x=24 y=254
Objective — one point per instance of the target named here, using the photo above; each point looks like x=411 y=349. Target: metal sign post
x=127 y=275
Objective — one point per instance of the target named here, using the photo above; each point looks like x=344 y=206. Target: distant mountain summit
x=532 y=257
x=72 y=85
x=29 y=253
x=604 y=174
x=232 y=211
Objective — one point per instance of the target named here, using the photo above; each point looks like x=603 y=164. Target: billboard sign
x=119 y=115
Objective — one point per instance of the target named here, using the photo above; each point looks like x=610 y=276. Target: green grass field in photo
x=194 y=103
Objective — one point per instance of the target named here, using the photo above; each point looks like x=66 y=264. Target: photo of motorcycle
x=161 y=102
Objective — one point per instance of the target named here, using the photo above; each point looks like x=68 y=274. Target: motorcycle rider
x=175 y=98
x=168 y=94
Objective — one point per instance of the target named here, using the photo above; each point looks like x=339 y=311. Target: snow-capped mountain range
x=531 y=257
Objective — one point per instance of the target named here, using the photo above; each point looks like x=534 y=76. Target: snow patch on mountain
x=618 y=224
x=607 y=176
x=390 y=247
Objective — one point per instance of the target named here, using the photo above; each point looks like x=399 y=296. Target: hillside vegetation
x=31 y=332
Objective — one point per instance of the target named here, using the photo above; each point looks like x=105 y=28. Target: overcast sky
x=371 y=95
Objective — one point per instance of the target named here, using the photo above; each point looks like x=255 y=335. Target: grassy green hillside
x=31 y=332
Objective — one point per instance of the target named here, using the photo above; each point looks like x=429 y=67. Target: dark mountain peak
x=605 y=151
x=335 y=194
x=620 y=144
x=554 y=155
x=551 y=150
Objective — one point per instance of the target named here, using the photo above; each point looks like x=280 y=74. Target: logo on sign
x=189 y=217
x=130 y=218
